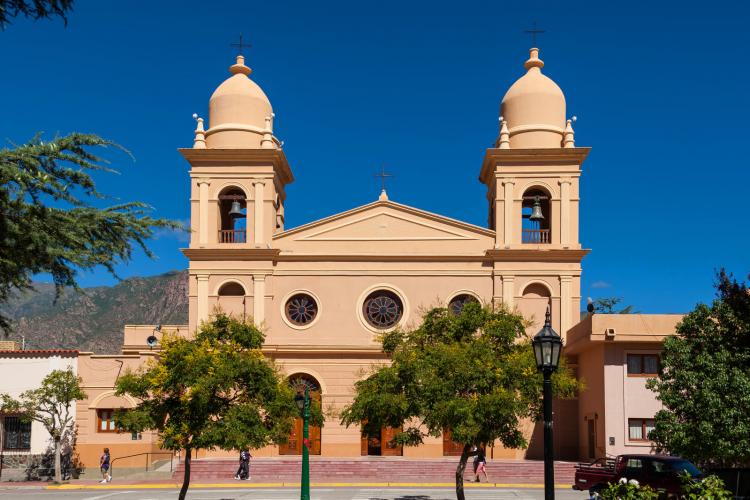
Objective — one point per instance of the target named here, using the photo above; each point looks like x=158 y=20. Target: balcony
x=538 y=236
x=232 y=236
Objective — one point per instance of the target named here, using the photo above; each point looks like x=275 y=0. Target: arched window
x=299 y=382
x=231 y=288
x=233 y=216
x=536 y=217
x=533 y=305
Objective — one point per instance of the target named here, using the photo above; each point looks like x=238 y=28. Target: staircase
x=373 y=469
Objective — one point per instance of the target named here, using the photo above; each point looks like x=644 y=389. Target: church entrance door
x=298 y=382
x=379 y=445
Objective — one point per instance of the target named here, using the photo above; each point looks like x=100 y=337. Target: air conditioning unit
x=609 y=333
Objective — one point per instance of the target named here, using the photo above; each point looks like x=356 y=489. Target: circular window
x=383 y=309
x=457 y=303
x=301 y=309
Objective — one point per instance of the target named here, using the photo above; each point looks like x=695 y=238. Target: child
x=104 y=466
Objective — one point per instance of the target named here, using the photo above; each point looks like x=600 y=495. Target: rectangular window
x=105 y=421
x=17 y=434
x=640 y=365
x=638 y=428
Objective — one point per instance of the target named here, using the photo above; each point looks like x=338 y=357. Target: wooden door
x=294 y=445
x=450 y=447
x=387 y=434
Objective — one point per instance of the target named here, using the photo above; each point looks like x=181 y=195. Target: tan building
x=325 y=290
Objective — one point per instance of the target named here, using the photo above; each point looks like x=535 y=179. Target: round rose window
x=458 y=302
x=383 y=309
x=301 y=309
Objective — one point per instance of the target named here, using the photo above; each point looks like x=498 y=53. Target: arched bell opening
x=233 y=216
x=299 y=382
x=231 y=299
x=535 y=217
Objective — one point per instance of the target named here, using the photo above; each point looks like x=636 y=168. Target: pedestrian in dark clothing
x=243 y=472
x=480 y=464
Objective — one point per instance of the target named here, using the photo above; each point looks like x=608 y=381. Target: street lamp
x=303 y=403
x=547 y=345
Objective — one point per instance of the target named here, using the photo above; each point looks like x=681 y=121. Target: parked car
x=660 y=472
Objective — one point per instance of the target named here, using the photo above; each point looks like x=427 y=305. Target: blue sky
x=659 y=88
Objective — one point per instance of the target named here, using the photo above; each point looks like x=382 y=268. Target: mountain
x=93 y=320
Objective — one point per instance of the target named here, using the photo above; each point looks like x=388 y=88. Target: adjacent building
x=24 y=444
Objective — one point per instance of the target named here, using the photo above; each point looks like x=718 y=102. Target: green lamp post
x=303 y=403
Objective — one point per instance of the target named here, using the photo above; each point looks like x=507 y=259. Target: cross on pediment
x=383 y=175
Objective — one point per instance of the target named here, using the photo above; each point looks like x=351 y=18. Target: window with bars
x=640 y=365
x=16 y=434
x=638 y=428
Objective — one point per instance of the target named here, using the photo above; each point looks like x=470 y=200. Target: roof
x=39 y=353
x=599 y=329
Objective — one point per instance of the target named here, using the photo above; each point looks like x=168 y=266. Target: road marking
x=108 y=495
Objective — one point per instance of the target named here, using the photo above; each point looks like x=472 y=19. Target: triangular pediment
x=385 y=224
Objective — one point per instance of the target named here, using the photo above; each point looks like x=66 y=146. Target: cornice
x=536 y=255
x=374 y=350
x=199 y=254
x=276 y=255
x=535 y=157
x=244 y=157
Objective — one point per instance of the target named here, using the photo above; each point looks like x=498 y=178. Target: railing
x=535 y=236
x=232 y=236
x=147 y=454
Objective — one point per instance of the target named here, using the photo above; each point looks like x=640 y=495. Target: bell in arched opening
x=236 y=210
x=536 y=210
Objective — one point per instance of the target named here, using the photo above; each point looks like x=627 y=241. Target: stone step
x=391 y=469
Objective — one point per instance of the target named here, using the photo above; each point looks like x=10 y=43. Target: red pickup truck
x=660 y=472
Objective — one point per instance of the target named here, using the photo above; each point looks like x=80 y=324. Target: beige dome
x=239 y=112
x=534 y=109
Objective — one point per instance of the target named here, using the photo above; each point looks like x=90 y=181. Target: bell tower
x=238 y=176
x=532 y=177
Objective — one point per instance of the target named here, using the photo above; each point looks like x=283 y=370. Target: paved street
x=291 y=494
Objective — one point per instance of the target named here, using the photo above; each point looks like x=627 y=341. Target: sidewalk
x=162 y=484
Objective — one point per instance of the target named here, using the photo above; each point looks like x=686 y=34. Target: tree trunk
x=460 y=472
x=58 y=466
x=186 y=477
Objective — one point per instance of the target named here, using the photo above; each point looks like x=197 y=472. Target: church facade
x=324 y=292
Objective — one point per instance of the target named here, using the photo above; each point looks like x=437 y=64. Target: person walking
x=243 y=472
x=480 y=464
x=104 y=466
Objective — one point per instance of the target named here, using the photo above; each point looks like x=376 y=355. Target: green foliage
x=705 y=382
x=607 y=305
x=48 y=223
x=708 y=488
x=473 y=373
x=51 y=404
x=216 y=390
x=36 y=9
x=628 y=490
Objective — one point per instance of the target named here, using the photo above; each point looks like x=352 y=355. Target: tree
x=606 y=305
x=216 y=390
x=36 y=9
x=473 y=373
x=47 y=221
x=51 y=405
x=704 y=381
